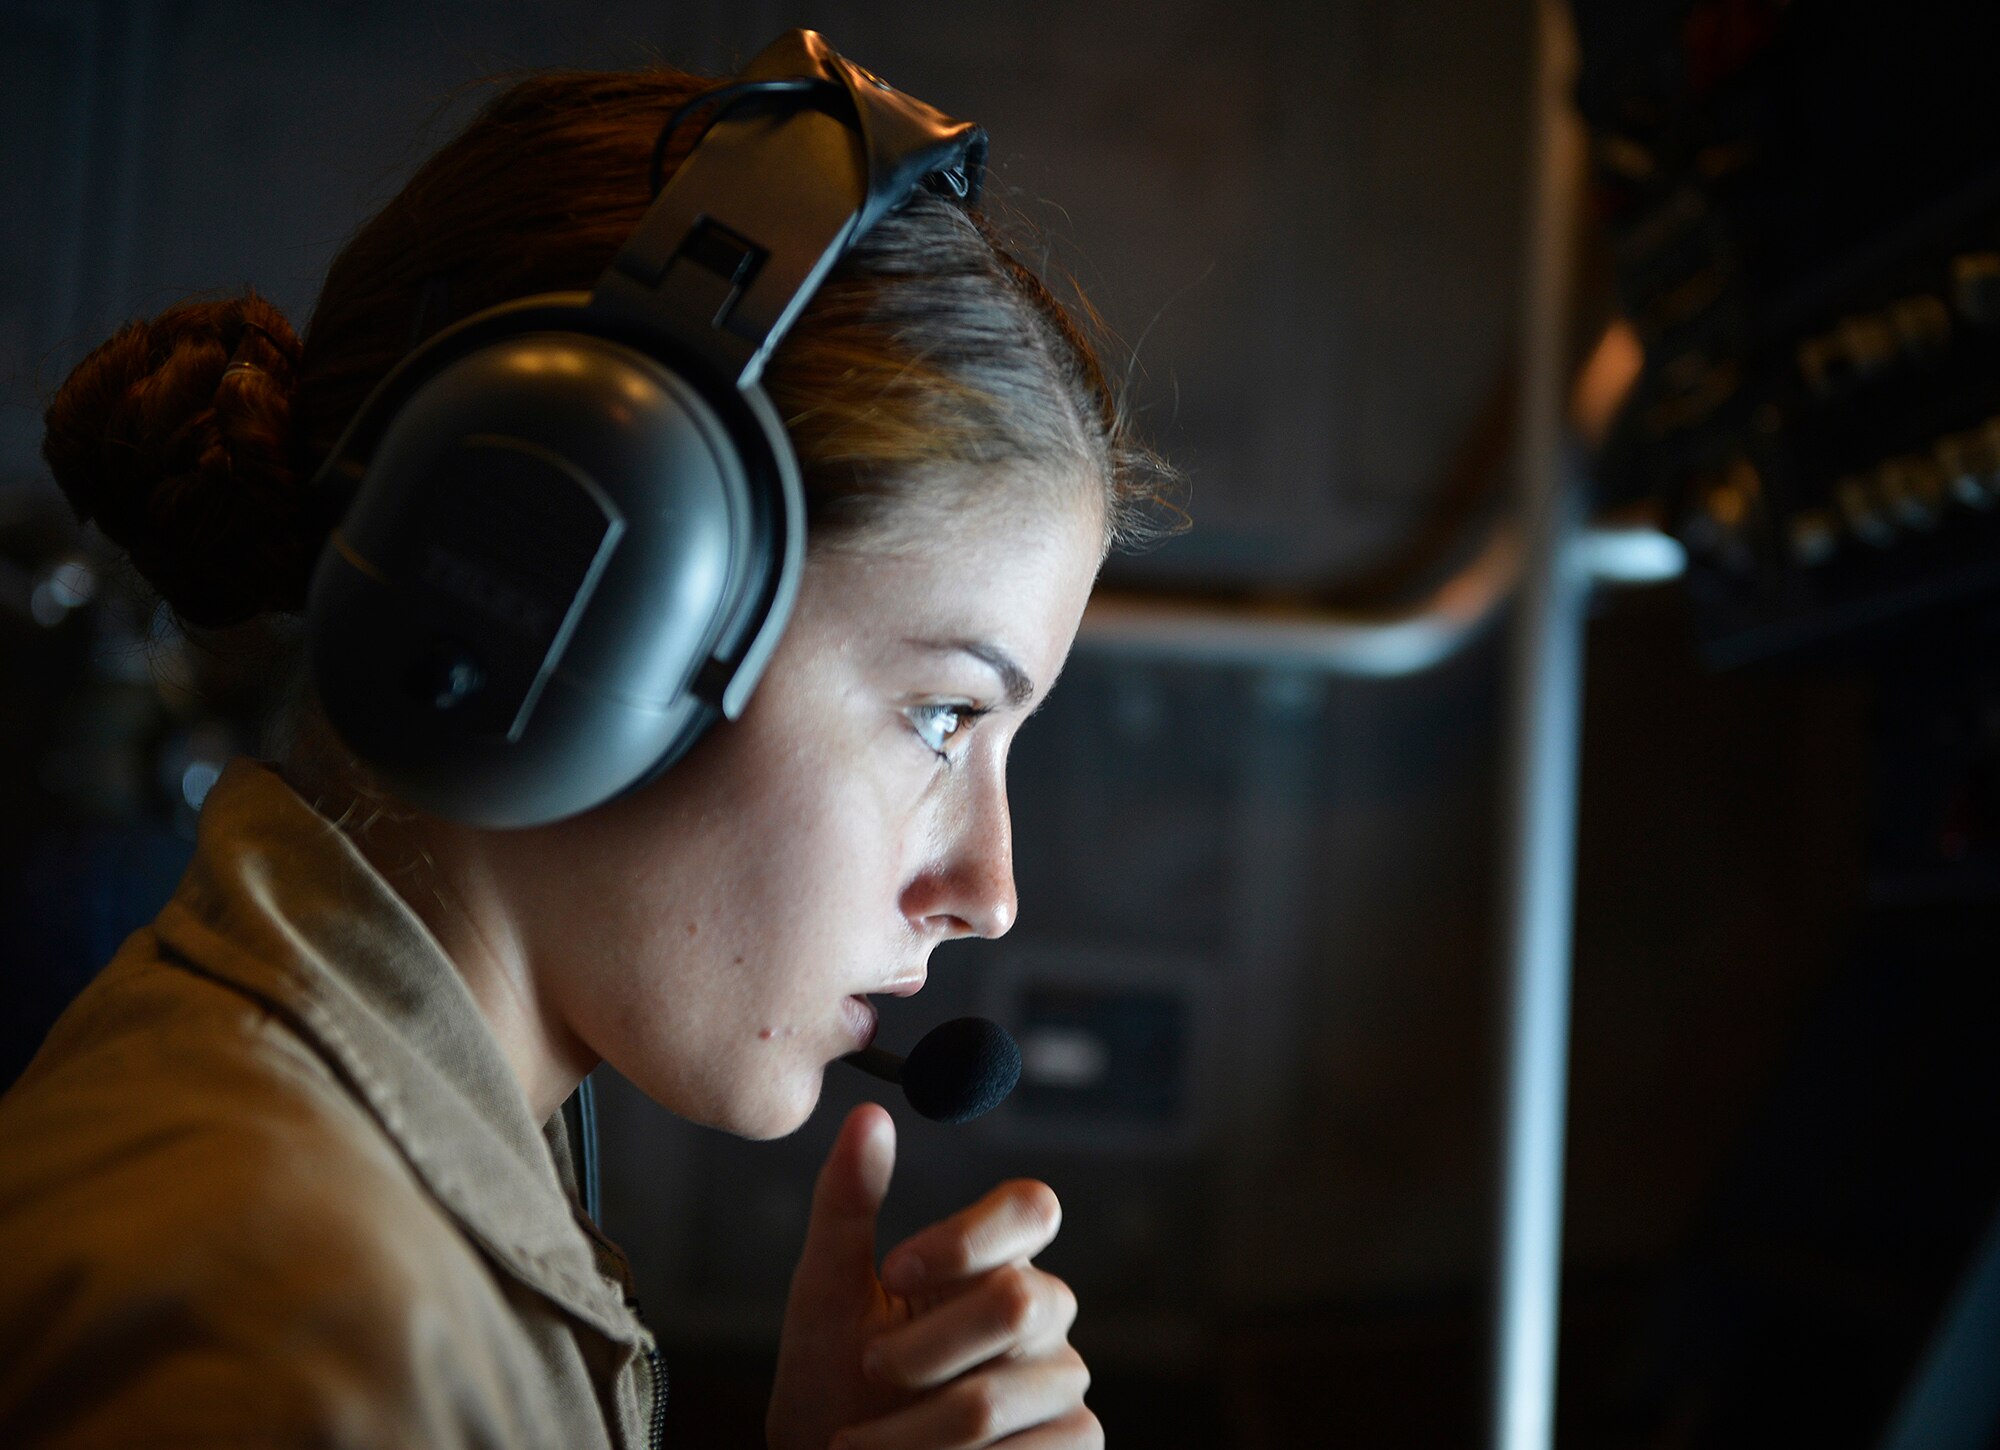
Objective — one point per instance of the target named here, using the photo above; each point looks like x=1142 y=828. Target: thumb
x=840 y=1241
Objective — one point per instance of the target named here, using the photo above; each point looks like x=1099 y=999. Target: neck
x=453 y=877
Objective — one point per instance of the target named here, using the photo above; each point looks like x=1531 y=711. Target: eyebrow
x=1020 y=689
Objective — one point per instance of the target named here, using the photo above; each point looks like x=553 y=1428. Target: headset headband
x=729 y=253
x=734 y=246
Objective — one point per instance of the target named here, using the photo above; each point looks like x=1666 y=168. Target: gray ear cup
x=559 y=559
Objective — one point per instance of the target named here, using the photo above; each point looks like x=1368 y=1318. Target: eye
x=938 y=725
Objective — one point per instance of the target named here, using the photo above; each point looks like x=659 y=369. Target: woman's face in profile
x=714 y=935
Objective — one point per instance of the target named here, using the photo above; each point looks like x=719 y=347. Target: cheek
x=821 y=854
x=790 y=879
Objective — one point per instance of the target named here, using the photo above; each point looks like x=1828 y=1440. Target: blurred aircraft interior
x=1544 y=815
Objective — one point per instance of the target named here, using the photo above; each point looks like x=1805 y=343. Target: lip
x=905 y=986
x=861 y=1020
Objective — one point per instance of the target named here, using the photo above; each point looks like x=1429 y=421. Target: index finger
x=1017 y=1220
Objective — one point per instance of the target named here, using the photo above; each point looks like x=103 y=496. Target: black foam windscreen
x=956 y=1072
x=961 y=1069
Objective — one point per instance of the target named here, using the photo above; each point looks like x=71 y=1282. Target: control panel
x=1804 y=223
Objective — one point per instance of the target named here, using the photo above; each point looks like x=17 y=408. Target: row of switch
x=1864 y=344
x=1908 y=494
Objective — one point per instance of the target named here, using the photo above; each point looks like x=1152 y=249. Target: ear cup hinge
x=808 y=152
x=711 y=270
x=741 y=237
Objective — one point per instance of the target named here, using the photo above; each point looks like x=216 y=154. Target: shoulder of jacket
x=127 y=1139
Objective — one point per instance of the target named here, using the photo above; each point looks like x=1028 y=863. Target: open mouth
x=861 y=1019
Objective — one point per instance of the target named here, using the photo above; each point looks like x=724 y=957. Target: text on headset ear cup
x=558 y=543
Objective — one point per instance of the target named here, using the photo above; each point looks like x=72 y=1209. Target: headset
x=577 y=524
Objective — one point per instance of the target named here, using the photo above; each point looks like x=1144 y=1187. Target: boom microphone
x=956 y=1071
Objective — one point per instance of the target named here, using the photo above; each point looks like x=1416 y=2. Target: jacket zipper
x=656 y=1434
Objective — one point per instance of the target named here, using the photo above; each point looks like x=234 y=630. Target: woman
x=292 y=1169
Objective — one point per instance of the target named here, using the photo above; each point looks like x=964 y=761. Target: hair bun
x=175 y=437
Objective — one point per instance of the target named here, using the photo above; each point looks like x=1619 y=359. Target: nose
x=968 y=889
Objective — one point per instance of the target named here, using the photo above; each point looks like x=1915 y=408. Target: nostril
x=949 y=928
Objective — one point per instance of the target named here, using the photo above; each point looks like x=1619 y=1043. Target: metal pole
x=1543 y=725
x=1953 y=1400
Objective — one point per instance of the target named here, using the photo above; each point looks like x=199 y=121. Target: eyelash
x=963 y=716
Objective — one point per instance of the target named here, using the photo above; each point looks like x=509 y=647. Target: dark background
x=1276 y=889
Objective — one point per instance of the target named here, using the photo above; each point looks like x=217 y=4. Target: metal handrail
x=1385 y=644
x=1372 y=645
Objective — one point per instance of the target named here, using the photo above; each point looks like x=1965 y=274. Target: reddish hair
x=929 y=350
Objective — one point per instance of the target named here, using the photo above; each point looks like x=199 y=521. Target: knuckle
x=958 y=1243
x=1090 y=1431
x=1015 y=1300
x=976 y=1410
x=885 y=1363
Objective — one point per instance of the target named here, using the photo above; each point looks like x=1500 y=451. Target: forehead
x=946 y=507
x=1013 y=576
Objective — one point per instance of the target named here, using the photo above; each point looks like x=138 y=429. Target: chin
x=779 y=1110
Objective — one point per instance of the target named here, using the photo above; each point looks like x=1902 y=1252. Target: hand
x=959 y=1343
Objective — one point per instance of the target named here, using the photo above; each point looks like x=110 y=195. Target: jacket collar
x=280 y=904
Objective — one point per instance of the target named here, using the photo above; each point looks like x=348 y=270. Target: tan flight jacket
x=270 y=1182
